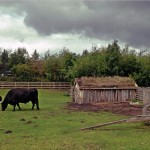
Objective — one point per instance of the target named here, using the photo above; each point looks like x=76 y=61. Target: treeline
x=111 y=60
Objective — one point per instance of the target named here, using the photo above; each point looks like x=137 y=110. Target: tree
x=129 y=65
x=143 y=76
x=67 y=58
x=37 y=69
x=47 y=54
x=20 y=56
x=85 y=52
x=22 y=72
x=53 y=66
x=35 y=55
x=4 y=56
x=113 y=58
x=92 y=64
x=4 y=60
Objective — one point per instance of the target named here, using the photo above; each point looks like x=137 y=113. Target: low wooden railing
x=39 y=85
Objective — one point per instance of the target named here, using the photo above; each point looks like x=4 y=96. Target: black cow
x=16 y=96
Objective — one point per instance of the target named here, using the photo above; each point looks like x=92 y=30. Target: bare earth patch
x=8 y=131
x=123 y=108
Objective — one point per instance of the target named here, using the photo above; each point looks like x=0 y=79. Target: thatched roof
x=106 y=82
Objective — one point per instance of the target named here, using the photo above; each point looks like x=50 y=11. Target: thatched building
x=106 y=89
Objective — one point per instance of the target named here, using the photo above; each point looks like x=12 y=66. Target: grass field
x=55 y=128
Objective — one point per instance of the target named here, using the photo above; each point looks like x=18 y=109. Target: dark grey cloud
x=127 y=21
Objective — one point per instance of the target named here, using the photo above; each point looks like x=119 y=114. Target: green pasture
x=54 y=127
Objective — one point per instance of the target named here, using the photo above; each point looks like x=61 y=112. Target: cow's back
x=21 y=95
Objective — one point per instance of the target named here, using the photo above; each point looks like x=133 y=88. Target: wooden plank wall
x=103 y=95
x=40 y=85
x=111 y=95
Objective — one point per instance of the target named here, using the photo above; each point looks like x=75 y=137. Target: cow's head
x=3 y=104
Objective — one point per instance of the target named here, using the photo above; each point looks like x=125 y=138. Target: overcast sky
x=75 y=24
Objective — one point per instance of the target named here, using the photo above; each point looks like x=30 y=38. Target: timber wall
x=103 y=95
x=108 y=95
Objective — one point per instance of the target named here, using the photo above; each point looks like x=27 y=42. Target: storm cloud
x=126 y=21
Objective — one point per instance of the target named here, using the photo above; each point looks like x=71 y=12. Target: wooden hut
x=106 y=89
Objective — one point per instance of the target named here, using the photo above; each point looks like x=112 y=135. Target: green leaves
x=22 y=72
x=66 y=65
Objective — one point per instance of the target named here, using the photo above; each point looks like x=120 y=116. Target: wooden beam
x=134 y=119
x=105 y=124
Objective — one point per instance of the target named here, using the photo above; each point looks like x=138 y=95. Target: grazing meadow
x=54 y=127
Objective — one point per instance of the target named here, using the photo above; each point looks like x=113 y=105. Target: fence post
x=60 y=85
x=53 y=85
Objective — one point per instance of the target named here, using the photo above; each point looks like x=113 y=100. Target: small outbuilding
x=105 y=89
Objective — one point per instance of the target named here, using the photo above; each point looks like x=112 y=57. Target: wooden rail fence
x=39 y=85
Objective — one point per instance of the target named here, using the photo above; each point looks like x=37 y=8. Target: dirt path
x=119 y=108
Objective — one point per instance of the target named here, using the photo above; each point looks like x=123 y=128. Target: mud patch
x=35 y=117
x=8 y=131
x=29 y=122
x=123 y=108
x=35 y=126
x=22 y=119
x=82 y=121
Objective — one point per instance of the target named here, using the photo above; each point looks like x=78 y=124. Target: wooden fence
x=39 y=85
x=139 y=94
x=143 y=94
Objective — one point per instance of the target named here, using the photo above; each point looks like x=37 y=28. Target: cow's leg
x=14 y=107
x=37 y=105
x=18 y=106
x=33 y=105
